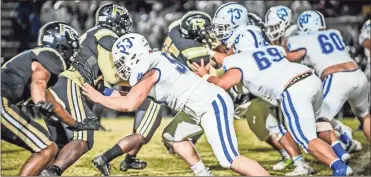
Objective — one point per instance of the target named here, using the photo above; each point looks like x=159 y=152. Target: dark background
x=21 y=20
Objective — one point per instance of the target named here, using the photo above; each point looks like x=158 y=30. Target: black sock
x=129 y=158
x=114 y=152
x=56 y=169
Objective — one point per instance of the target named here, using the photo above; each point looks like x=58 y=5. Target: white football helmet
x=126 y=52
x=227 y=18
x=247 y=39
x=310 y=21
x=277 y=20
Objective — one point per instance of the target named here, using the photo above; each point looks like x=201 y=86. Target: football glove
x=43 y=108
x=90 y=123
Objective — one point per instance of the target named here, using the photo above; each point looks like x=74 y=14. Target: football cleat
x=101 y=165
x=301 y=170
x=135 y=164
x=284 y=163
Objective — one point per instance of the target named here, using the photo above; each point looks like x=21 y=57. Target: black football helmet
x=193 y=22
x=61 y=37
x=114 y=17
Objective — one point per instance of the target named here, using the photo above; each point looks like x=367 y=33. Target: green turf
x=161 y=163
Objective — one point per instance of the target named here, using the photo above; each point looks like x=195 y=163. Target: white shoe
x=301 y=169
x=284 y=163
x=345 y=158
x=354 y=147
x=205 y=172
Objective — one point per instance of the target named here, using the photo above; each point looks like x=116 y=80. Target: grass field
x=162 y=164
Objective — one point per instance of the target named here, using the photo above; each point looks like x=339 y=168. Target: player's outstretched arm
x=229 y=79
x=127 y=103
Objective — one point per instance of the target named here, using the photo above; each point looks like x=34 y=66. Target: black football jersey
x=16 y=74
x=184 y=50
x=87 y=67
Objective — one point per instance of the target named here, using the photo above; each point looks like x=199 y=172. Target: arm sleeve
x=139 y=71
x=106 y=66
x=294 y=43
x=195 y=54
x=50 y=60
x=230 y=63
x=106 y=39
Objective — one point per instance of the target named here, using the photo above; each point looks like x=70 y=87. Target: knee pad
x=323 y=124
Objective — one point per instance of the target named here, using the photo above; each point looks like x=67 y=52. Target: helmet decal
x=235 y=14
x=118 y=9
x=303 y=19
x=125 y=44
x=282 y=13
x=198 y=23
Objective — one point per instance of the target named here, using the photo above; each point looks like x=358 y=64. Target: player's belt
x=298 y=78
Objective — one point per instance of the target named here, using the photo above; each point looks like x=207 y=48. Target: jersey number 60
x=328 y=42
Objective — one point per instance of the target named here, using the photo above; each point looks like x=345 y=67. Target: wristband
x=206 y=77
x=107 y=91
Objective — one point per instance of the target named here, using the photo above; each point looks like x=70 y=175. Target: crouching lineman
x=325 y=51
x=165 y=80
x=92 y=64
x=266 y=72
x=182 y=48
x=279 y=138
x=27 y=75
x=278 y=30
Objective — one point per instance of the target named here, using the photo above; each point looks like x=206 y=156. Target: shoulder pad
x=106 y=38
x=50 y=59
x=174 y=24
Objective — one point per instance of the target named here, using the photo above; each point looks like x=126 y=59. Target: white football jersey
x=239 y=30
x=177 y=86
x=323 y=49
x=265 y=71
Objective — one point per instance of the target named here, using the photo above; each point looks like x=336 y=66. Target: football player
x=186 y=42
x=325 y=51
x=92 y=64
x=29 y=75
x=161 y=77
x=271 y=131
x=278 y=30
x=266 y=72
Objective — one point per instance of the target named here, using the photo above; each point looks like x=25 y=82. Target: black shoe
x=48 y=172
x=135 y=164
x=53 y=170
x=102 y=165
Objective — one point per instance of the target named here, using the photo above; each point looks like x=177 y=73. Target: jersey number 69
x=264 y=59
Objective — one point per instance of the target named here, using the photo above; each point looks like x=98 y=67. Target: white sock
x=199 y=169
x=284 y=154
x=298 y=160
